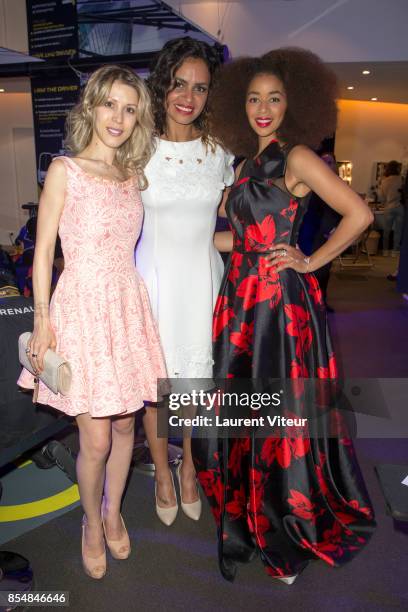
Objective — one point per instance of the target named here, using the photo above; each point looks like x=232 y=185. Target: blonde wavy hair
x=133 y=155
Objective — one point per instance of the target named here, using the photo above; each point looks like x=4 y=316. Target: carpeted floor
x=175 y=569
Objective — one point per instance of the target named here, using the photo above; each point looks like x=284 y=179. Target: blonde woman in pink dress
x=99 y=317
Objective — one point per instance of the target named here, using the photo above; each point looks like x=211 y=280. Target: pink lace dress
x=100 y=310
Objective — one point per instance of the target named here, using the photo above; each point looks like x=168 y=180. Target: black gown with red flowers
x=291 y=498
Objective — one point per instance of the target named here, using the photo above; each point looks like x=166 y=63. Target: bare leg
x=117 y=470
x=95 y=442
x=188 y=473
x=158 y=448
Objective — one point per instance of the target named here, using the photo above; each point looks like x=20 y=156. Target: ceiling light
x=374 y=99
x=350 y=87
x=366 y=72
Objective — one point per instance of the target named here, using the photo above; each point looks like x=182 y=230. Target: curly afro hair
x=311 y=90
x=161 y=79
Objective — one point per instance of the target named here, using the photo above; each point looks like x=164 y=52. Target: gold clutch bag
x=57 y=374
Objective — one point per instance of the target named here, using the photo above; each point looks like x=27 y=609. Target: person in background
x=402 y=274
x=318 y=223
x=390 y=195
x=27 y=257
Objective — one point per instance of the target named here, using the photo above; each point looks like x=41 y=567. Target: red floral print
x=354 y=503
x=276 y=449
x=257 y=481
x=248 y=290
x=222 y=315
x=236 y=507
x=314 y=289
x=333 y=372
x=330 y=371
x=260 y=236
x=347 y=518
x=238 y=449
x=316 y=551
x=321 y=478
x=299 y=328
x=302 y=506
x=269 y=288
x=283 y=450
x=290 y=211
x=259 y=525
x=298 y=370
x=213 y=488
x=236 y=262
x=332 y=542
x=243 y=339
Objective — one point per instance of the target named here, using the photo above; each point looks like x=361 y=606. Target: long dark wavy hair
x=161 y=79
x=311 y=91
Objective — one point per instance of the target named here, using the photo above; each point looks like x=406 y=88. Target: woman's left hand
x=285 y=256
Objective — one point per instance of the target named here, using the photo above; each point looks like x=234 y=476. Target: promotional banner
x=77 y=29
x=52 y=100
x=84 y=28
x=52 y=28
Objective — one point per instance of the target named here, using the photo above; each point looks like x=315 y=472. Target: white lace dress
x=176 y=256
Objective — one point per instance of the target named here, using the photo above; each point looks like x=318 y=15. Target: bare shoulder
x=56 y=176
x=300 y=155
x=57 y=169
x=303 y=165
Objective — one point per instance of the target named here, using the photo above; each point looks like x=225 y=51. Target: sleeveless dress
x=100 y=309
x=290 y=498
x=176 y=255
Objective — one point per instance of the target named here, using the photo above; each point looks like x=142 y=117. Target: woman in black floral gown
x=289 y=497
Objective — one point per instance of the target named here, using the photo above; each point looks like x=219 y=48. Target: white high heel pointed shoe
x=287 y=579
x=193 y=509
x=166 y=515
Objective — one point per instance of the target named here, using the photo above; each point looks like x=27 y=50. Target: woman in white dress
x=176 y=255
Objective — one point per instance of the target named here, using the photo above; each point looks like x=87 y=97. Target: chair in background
x=359 y=256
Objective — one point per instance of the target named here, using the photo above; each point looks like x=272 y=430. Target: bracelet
x=41 y=308
x=307 y=262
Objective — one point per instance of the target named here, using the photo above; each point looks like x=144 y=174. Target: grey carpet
x=176 y=569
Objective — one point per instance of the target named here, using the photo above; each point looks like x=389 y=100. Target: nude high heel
x=95 y=567
x=193 y=509
x=166 y=515
x=119 y=549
